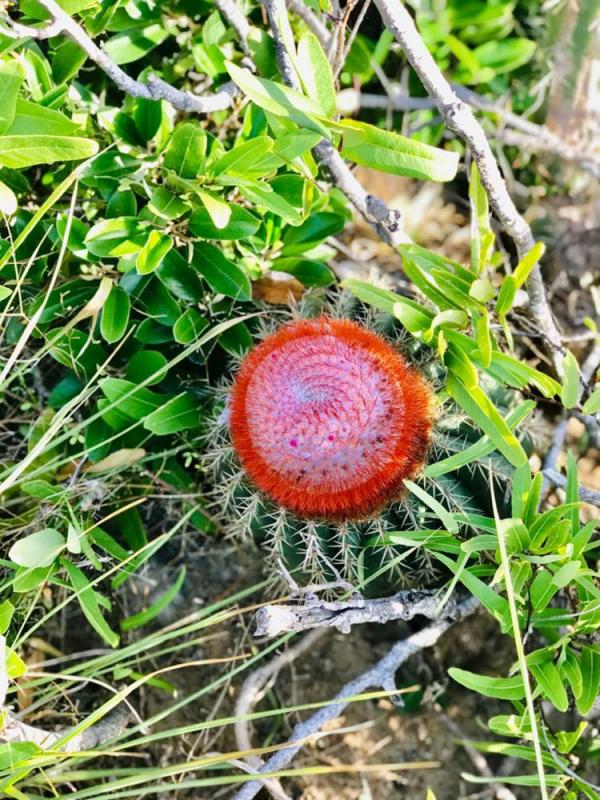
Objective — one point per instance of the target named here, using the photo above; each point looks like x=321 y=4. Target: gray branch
x=155 y=89
x=237 y=19
x=459 y=118
x=381 y=675
x=386 y=221
x=274 y=620
x=106 y=729
x=556 y=478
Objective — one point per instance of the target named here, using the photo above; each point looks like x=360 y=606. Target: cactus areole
x=328 y=419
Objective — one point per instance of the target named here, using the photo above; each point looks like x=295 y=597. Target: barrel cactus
x=325 y=419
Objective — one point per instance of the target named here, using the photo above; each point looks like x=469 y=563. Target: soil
x=373 y=731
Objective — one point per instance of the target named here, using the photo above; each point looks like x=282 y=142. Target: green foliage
x=135 y=238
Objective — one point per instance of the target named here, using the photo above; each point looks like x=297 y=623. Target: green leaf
x=116 y=237
x=176 y=415
x=569 y=393
x=189 y=326
x=145 y=365
x=315 y=73
x=129 y=46
x=221 y=274
x=549 y=680
x=481 y=323
x=131 y=400
x=527 y=263
x=279 y=99
x=147 y=115
x=68 y=59
x=505 y=55
x=19 y=152
x=179 y=278
x=11 y=78
x=165 y=204
x=482 y=448
x=6 y=614
x=240 y=225
x=592 y=404
x=156 y=247
x=8 y=206
x=236 y=340
x=482 y=238
x=589 y=663
x=186 y=152
x=480 y=408
x=89 y=602
x=500 y=688
x=33 y=119
x=375 y=296
x=312 y=232
x=438 y=509
x=506 y=296
x=542 y=590
x=306 y=270
x=388 y=152
x=572 y=671
x=241 y=158
x=218 y=210
x=38 y=549
x=153 y=610
x=115 y=315
x=263 y=196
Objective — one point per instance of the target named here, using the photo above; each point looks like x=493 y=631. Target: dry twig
x=155 y=89
x=105 y=729
x=273 y=620
x=459 y=118
x=381 y=675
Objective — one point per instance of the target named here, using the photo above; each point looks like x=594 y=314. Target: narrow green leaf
x=11 y=78
x=592 y=404
x=500 y=688
x=88 y=600
x=315 y=73
x=569 y=393
x=388 y=152
x=479 y=407
x=279 y=99
x=589 y=663
x=153 y=610
x=549 y=680
x=446 y=518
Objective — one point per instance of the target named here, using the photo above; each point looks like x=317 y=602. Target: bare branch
x=459 y=118
x=112 y=725
x=343 y=614
x=155 y=89
x=237 y=19
x=381 y=675
x=255 y=683
x=386 y=221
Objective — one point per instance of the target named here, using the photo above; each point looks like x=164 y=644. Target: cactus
x=301 y=498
